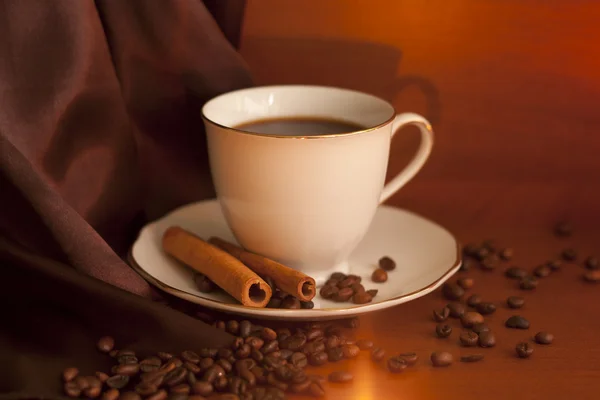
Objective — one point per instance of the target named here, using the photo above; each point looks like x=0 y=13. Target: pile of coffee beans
x=343 y=288
x=279 y=299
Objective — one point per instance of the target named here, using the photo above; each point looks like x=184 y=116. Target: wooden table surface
x=512 y=90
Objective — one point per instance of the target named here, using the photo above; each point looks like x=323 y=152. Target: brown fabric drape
x=100 y=131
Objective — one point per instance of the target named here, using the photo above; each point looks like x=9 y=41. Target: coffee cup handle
x=419 y=158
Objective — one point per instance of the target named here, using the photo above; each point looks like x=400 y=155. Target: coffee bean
x=592 y=263
x=203 y=283
x=332 y=341
x=350 y=350
x=314 y=333
x=343 y=294
x=328 y=291
x=293 y=343
x=232 y=327
x=569 y=255
x=465 y=283
x=474 y=300
x=245 y=328
x=487 y=339
x=443 y=330
x=316 y=359
x=129 y=396
x=70 y=373
x=226 y=365
x=441 y=359
x=160 y=395
x=490 y=244
x=290 y=302
x=466 y=264
x=379 y=275
x=82 y=382
x=515 y=273
x=349 y=281
x=238 y=342
x=524 y=350
x=396 y=364
x=236 y=385
x=270 y=347
x=387 y=263
x=316 y=390
x=298 y=360
x=177 y=376
x=102 y=377
x=313 y=347
x=372 y=292
x=479 y=328
x=471 y=358
x=106 y=344
x=544 y=338
x=340 y=377
x=307 y=305
x=190 y=356
x=335 y=354
x=145 y=389
x=256 y=355
x=260 y=374
x=528 y=283
x=361 y=298
x=71 y=389
x=255 y=343
x=456 y=309
x=563 y=229
x=127 y=359
x=482 y=253
x=377 y=354
x=506 y=254
x=468 y=338
x=410 y=358
x=490 y=262
x=470 y=250
x=364 y=344
x=117 y=381
x=268 y=334
x=164 y=356
x=554 y=265
x=515 y=302
x=486 y=308
x=191 y=377
x=351 y=323
x=592 y=276
x=273 y=381
x=113 y=394
x=441 y=315
x=182 y=388
x=274 y=303
x=301 y=387
x=471 y=318
x=243 y=352
x=452 y=291
x=285 y=354
x=169 y=366
x=205 y=363
x=542 y=271
x=517 y=322
x=221 y=383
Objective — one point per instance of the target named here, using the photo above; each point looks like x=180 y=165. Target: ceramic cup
x=305 y=201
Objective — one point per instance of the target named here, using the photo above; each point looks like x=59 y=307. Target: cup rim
x=302 y=137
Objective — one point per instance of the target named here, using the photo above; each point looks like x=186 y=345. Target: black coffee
x=309 y=126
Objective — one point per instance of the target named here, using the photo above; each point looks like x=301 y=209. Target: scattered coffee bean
x=71 y=389
x=569 y=255
x=377 y=354
x=332 y=341
x=190 y=356
x=70 y=373
x=387 y=263
x=490 y=262
x=554 y=265
x=372 y=292
x=317 y=359
x=471 y=319
x=126 y=369
x=443 y=330
x=441 y=315
x=592 y=263
x=479 y=328
x=113 y=394
x=203 y=283
x=466 y=264
x=379 y=275
x=396 y=364
x=146 y=388
x=245 y=328
x=482 y=253
x=486 y=308
x=515 y=273
x=456 y=309
x=307 y=305
x=471 y=358
x=335 y=354
x=344 y=294
x=410 y=358
x=470 y=250
x=524 y=350
x=528 y=283
x=232 y=327
x=563 y=229
x=465 y=283
x=506 y=254
x=490 y=244
x=340 y=377
x=316 y=390
x=350 y=350
x=441 y=359
x=164 y=356
x=117 y=381
x=102 y=377
x=452 y=291
x=487 y=339
x=272 y=346
x=129 y=396
x=364 y=344
x=517 y=322
x=106 y=344
x=544 y=338
x=542 y=271
x=473 y=300
x=468 y=338
x=515 y=302
x=592 y=276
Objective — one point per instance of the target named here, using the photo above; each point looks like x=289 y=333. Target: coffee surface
x=299 y=126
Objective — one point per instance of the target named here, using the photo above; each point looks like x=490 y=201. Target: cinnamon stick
x=224 y=270
x=287 y=279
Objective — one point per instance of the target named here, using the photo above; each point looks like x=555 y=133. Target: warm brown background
x=512 y=89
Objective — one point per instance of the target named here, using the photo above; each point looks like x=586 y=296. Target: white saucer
x=425 y=253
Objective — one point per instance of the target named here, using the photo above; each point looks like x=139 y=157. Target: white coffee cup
x=306 y=201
